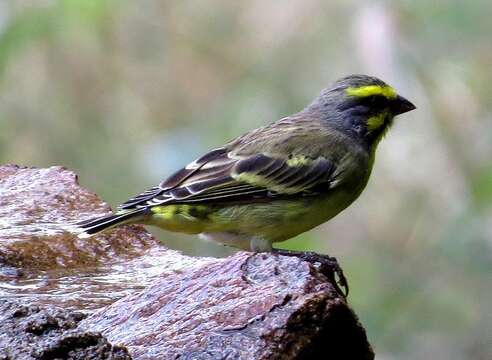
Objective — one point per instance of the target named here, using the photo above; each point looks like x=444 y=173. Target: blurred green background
x=126 y=92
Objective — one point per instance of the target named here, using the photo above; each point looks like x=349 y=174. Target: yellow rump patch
x=368 y=90
x=168 y=212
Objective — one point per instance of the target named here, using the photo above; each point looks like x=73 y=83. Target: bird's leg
x=327 y=265
x=260 y=244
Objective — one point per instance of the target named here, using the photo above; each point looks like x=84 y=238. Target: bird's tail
x=90 y=227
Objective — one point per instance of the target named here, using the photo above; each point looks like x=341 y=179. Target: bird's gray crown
x=358 y=80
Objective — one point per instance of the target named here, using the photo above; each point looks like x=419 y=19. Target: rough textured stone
x=48 y=333
x=37 y=206
x=247 y=306
x=244 y=307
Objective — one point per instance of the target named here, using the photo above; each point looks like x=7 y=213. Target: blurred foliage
x=126 y=92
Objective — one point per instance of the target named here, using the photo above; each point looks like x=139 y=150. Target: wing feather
x=174 y=180
x=236 y=172
x=252 y=178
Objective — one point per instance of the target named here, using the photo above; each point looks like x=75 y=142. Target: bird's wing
x=175 y=180
x=221 y=176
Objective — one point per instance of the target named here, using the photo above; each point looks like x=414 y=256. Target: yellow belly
x=276 y=221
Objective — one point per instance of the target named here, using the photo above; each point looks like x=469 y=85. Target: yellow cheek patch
x=369 y=90
x=375 y=122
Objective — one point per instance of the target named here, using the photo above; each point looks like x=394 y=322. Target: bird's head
x=361 y=106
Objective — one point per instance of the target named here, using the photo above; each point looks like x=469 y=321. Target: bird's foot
x=327 y=265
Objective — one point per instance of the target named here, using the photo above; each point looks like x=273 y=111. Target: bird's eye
x=377 y=101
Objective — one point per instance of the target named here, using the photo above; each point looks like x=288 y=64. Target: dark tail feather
x=90 y=227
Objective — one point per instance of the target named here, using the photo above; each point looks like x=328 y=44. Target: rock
x=48 y=333
x=246 y=306
x=36 y=208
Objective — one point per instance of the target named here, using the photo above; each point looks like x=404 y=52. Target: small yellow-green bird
x=277 y=181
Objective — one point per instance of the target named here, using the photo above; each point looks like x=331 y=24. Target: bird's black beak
x=402 y=105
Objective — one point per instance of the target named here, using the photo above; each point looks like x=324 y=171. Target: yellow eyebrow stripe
x=368 y=90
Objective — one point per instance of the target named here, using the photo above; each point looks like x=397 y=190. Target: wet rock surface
x=155 y=302
x=37 y=207
x=243 y=307
x=49 y=333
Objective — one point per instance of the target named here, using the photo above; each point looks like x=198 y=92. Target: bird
x=275 y=182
